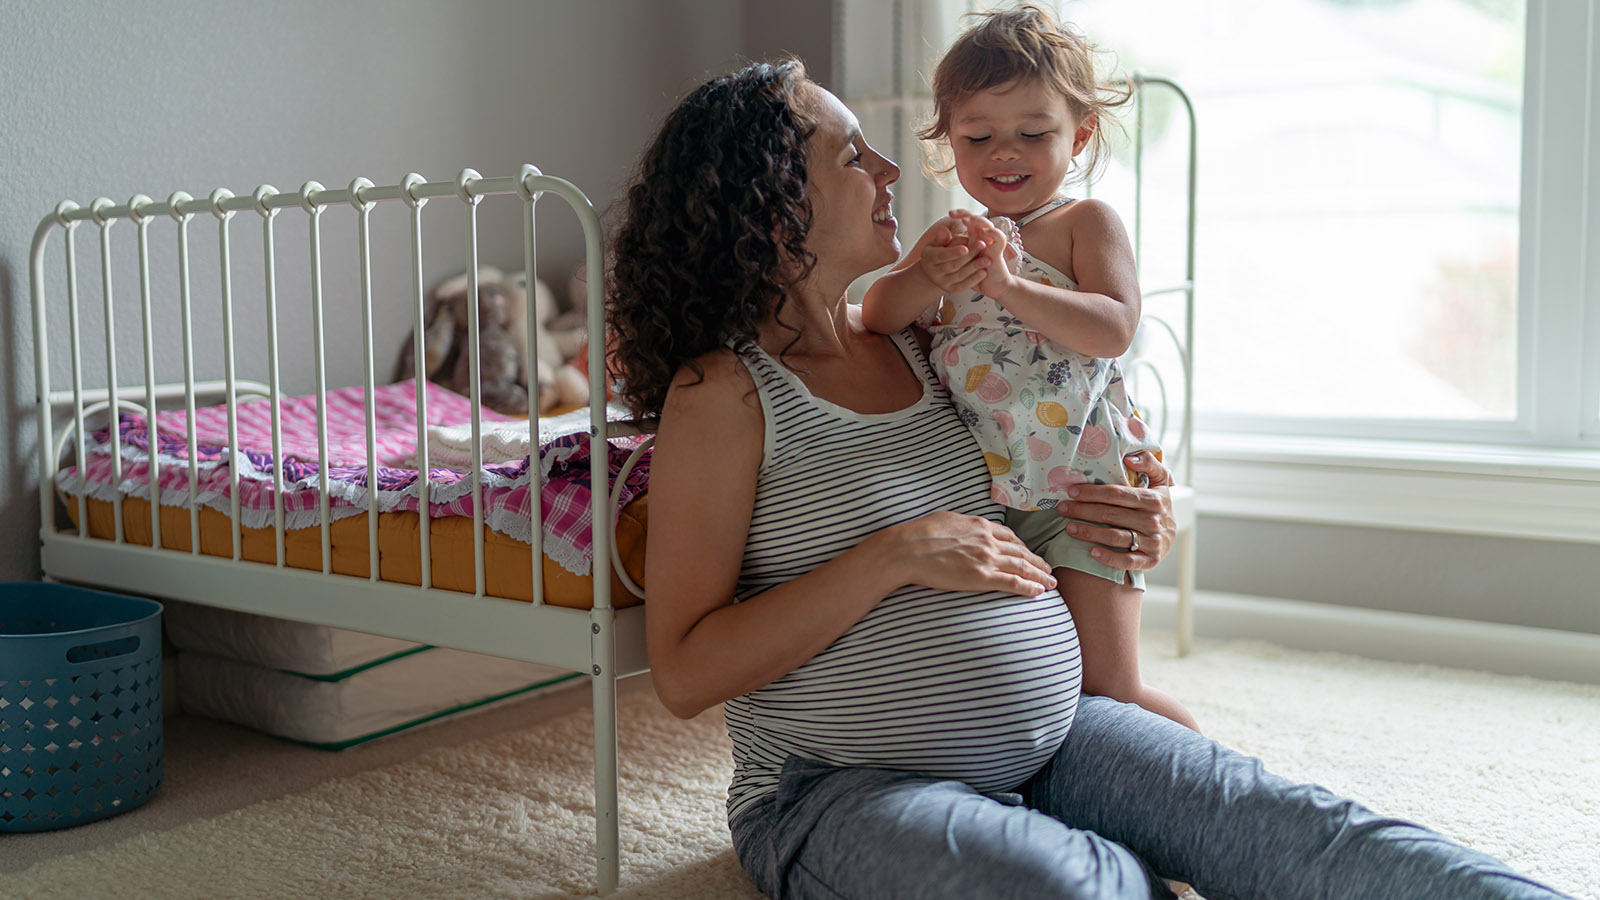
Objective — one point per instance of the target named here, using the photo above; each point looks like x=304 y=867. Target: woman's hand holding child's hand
x=951 y=259
x=950 y=551
x=998 y=277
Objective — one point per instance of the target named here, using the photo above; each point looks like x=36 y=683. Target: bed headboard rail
x=1163 y=346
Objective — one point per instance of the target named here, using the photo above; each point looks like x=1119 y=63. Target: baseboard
x=1403 y=637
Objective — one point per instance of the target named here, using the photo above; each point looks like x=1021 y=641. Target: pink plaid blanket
x=563 y=465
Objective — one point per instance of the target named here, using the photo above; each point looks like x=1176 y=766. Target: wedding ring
x=1133 y=541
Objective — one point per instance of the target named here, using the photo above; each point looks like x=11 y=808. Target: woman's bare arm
x=705 y=649
x=940 y=263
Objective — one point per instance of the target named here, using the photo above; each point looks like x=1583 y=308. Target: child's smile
x=1009 y=182
x=1013 y=145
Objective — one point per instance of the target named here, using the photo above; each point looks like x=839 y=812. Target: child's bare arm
x=941 y=262
x=1097 y=319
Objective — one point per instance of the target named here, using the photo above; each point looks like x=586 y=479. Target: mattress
x=506 y=561
x=315 y=651
x=336 y=712
x=194 y=465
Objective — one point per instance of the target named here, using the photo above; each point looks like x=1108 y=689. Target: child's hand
x=997 y=278
x=950 y=258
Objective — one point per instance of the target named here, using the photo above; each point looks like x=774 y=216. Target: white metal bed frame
x=606 y=642
x=1181 y=457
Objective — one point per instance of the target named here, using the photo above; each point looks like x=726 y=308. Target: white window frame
x=1561 y=229
x=1537 y=476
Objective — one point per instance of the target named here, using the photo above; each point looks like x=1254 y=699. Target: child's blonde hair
x=1010 y=45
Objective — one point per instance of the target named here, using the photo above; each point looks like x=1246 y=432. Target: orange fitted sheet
x=505 y=560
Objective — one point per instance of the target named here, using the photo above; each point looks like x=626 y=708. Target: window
x=1399 y=227
x=1363 y=243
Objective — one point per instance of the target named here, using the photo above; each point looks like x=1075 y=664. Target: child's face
x=1013 y=145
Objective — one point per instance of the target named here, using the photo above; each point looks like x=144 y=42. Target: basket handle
x=109 y=643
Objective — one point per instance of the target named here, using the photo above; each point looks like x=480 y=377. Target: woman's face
x=852 y=228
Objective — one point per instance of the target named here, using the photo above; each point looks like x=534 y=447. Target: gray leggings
x=1129 y=799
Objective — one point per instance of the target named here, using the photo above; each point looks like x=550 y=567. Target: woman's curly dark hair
x=713 y=229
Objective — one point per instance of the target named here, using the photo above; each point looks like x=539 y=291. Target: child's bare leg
x=1107 y=616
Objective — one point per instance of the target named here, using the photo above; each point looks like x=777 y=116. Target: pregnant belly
x=982 y=690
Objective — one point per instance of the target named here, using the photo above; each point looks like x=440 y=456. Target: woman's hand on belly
x=955 y=552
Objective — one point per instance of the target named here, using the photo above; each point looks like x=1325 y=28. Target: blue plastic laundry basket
x=80 y=704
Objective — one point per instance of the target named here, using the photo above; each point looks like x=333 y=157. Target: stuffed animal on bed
x=502 y=344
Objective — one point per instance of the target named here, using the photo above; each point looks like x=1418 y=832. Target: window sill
x=1501 y=491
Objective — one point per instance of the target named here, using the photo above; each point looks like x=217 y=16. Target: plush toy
x=571 y=327
x=502 y=344
x=561 y=341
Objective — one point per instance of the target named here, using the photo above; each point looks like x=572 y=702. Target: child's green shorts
x=1045 y=533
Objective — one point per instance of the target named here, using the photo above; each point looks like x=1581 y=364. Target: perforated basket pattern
x=80 y=705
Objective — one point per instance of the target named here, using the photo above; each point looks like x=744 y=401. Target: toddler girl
x=1030 y=305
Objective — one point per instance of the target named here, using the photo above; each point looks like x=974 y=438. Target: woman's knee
x=980 y=849
x=892 y=836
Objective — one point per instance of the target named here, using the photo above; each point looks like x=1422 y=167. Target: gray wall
x=1515 y=581
x=803 y=29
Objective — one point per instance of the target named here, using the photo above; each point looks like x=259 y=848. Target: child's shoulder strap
x=1059 y=201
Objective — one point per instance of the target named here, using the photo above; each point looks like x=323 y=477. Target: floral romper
x=1045 y=416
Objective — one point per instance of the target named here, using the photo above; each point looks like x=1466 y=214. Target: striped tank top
x=977 y=687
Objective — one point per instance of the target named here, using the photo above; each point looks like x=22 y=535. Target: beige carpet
x=1509 y=765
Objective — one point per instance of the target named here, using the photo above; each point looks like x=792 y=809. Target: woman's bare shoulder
x=715 y=386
